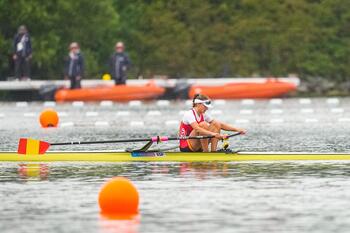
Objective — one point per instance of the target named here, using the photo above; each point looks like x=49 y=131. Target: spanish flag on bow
x=32 y=147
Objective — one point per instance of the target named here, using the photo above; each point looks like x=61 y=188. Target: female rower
x=197 y=122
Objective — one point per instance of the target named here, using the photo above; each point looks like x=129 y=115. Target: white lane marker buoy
x=276 y=120
x=307 y=110
x=163 y=102
x=219 y=102
x=332 y=101
x=106 y=103
x=21 y=104
x=135 y=103
x=216 y=112
x=66 y=124
x=311 y=120
x=49 y=104
x=246 y=111
x=29 y=114
x=2 y=115
x=182 y=112
x=248 y=102
x=337 y=110
x=77 y=104
x=241 y=121
x=172 y=122
x=276 y=111
x=304 y=101
x=154 y=113
x=275 y=101
x=62 y=114
x=189 y=102
x=344 y=120
x=101 y=123
x=92 y=114
x=137 y=123
x=123 y=113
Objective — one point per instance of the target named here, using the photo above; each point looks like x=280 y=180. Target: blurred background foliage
x=181 y=38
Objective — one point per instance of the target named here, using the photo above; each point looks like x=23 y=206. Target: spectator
x=22 y=53
x=74 y=66
x=119 y=64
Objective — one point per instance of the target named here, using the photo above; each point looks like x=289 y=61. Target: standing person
x=74 y=66
x=22 y=53
x=196 y=122
x=119 y=64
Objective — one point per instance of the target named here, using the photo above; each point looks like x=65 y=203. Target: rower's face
x=202 y=108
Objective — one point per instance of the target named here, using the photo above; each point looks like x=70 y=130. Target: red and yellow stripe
x=31 y=146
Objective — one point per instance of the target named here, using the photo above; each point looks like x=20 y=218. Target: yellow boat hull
x=167 y=157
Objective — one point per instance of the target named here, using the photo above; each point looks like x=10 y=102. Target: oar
x=32 y=146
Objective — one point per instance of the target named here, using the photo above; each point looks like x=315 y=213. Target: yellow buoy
x=106 y=77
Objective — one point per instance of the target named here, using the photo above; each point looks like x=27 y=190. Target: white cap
x=206 y=103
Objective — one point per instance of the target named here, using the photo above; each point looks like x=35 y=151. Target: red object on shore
x=114 y=93
x=268 y=89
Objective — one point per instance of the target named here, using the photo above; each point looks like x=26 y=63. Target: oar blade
x=28 y=146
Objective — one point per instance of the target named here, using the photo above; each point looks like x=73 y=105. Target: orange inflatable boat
x=268 y=89
x=114 y=93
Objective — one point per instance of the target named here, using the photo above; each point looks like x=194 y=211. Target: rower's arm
x=201 y=130
x=229 y=127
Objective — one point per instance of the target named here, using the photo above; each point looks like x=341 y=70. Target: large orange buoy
x=119 y=197
x=48 y=118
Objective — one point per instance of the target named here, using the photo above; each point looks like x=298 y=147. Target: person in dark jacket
x=22 y=53
x=119 y=64
x=74 y=66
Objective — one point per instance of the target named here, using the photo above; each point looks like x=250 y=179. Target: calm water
x=183 y=197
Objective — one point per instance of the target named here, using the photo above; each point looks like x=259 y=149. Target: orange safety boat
x=267 y=89
x=114 y=93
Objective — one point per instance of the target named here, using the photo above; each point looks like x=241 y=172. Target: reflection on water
x=33 y=171
x=107 y=225
x=179 y=197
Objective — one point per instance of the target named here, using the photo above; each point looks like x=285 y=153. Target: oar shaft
x=154 y=139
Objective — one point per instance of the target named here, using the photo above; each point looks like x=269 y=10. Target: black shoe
x=227 y=151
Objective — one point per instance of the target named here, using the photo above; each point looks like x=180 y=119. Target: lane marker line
x=172 y=122
x=77 y=104
x=154 y=113
x=163 y=102
x=337 y=110
x=66 y=124
x=92 y=114
x=307 y=110
x=62 y=114
x=333 y=101
x=276 y=120
x=101 y=123
x=219 y=102
x=49 y=104
x=135 y=103
x=242 y=121
x=248 y=102
x=311 y=120
x=106 y=103
x=276 y=111
x=123 y=113
x=344 y=120
x=137 y=123
x=246 y=111
x=29 y=114
x=275 y=101
x=22 y=104
x=305 y=101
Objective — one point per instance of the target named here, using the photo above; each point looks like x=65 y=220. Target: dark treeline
x=181 y=38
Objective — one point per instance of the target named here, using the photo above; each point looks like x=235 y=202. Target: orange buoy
x=119 y=197
x=48 y=118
